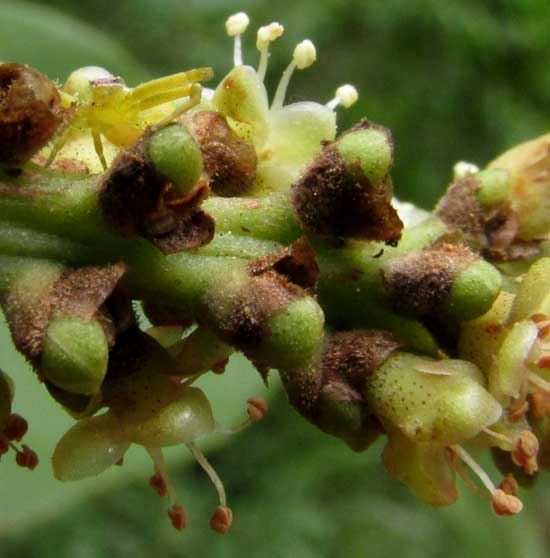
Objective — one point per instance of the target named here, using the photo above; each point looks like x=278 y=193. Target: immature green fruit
x=441 y=402
x=370 y=149
x=75 y=354
x=176 y=156
x=90 y=447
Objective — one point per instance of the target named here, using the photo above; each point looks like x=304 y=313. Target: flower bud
x=529 y=167
x=294 y=335
x=371 y=149
x=473 y=292
x=494 y=188
x=346 y=190
x=75 y=354
x=177 y=157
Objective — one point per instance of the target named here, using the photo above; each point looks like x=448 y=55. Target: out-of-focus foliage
x=294 y=493
x=56 y=43
x=453 y=80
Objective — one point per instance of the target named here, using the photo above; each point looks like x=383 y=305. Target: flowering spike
x=235 y=26
x=346 y=95
x=266 y=34
x=303 y=57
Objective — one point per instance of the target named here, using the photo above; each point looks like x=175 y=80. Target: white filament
x=235 y=26
x=266 y=34
x=346 y=95
x=303 y=57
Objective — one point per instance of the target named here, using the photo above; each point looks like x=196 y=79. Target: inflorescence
x=244 y=224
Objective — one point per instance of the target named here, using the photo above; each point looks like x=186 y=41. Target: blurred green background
x=453 y=80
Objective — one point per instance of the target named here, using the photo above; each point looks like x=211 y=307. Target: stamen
x=221 y=519
x=518 y=410
x=256 y=409
x=303 y=57
x=26 y=457
x=476 y=469
x=235 y=26
x=503 y=502
x=16 y=428
x=499 y=436
x=544 y=362
x=463 y=168
x=158 y=484
x=203 y=462
x=509 y=485
x=266 y=34
x=160 y=467
x=346 y=95
x=537 y=318
x=178 y=517
x=506 y=504
x=536 y=380
x=4 y=445
x=544 y=329
x=539 y=404
x=526 y=452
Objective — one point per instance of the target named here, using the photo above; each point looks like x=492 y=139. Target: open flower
x=286 y=137
x=149 y=407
